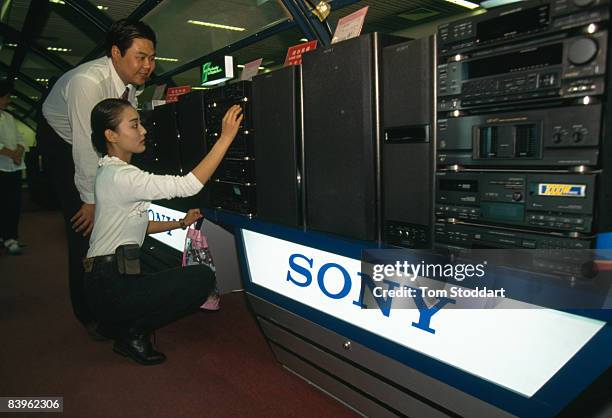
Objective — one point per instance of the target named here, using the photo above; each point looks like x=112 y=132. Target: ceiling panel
x=28 y=91
x=118 y=9
x=60 y=33
x=184 y=41
x=17 y=13
x=6 y=54
x=36 y=67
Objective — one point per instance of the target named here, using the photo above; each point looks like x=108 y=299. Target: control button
x=576 y=137
x=557 y=137
x=582 y=51
x=517 y=196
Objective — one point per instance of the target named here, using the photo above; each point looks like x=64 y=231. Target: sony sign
x=174 y=238
x=533 y=343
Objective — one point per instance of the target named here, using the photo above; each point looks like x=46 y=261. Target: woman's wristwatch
x=182 y=224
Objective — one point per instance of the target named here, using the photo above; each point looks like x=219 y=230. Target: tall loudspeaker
x=342 y=137
x=408 y=163
x=193 y=145
x=276 y=120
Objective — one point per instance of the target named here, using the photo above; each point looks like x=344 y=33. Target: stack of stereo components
x=232 y=186
x=520 y=161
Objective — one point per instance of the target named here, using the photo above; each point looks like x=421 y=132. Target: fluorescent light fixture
x=56 y=49
x=11 y=45
x=488 y=4
x=56 y=1
x=303 y=40
x=464 y=3
x=166 y=59
x=200 y=88
x=242 y=66
x=215 y=25
x=102 y=7
x=42 y=80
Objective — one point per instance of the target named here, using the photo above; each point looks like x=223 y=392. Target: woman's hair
x=105 y=115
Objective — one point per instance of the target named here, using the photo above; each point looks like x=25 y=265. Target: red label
x=294 y=53
x=173 y=93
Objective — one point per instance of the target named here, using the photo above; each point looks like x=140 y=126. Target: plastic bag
x=196 y=252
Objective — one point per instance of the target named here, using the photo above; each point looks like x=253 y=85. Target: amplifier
x=478 y=237
x=236 y=170
x=233 y=197
x=546 y=201
x=534 y=71
x=519 y=21
x=218 y=101
x=165 y=140
x=564 y=136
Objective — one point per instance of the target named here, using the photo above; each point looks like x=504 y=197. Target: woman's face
x=130 y=134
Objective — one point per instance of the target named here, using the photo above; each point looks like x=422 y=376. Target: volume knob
x=582 y=51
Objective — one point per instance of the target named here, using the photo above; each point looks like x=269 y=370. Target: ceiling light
x=303 y=40
x=56 y=1
x=464 y=3
x=166 y=59
x=102 y=7
x=215 y=25
x=42 y=80
x=488 y=4
x=11 y=45
x=57 y=49
x=200 y=88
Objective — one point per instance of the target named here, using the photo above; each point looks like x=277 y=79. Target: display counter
x=306 y=292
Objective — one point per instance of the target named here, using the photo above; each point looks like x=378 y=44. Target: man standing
x=12 y=149
x=129 y=61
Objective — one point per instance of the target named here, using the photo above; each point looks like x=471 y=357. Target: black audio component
x=538 y=71
x=234 y=197
x=519 y=21
x=342 y=136
x=564 y=136
x=277 y=119
x=165 y=135
x=218 y=101
x=408 y=163
x=555 y=202
x=192 y=129
x=236 y=170
x=484 y=237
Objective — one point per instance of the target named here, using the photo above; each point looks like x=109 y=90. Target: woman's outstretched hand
x=231 y=122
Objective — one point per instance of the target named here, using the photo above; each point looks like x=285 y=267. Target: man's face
x=138 y=62
x=5 y=101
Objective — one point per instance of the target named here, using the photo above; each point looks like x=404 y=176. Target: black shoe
x=139 y=349
x=94 y=331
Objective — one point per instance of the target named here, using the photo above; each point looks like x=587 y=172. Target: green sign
x=209 y=70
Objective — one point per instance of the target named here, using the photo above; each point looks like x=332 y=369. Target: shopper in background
x=129 y=61
x=137 y=304
x=12 y=150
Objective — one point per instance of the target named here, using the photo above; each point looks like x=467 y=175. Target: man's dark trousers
x=61 y=164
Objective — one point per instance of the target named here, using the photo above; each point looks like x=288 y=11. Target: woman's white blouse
x=123 y=194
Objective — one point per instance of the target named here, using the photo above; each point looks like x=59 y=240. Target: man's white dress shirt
x=68 y=111
x=123 y=195
x=10 y=138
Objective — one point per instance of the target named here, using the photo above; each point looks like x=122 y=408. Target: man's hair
x=105 y=115
x=6 y=87
x=123 y=32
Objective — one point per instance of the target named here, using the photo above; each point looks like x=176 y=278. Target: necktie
x=125 y=94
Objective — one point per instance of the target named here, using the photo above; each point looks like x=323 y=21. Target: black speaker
x=193 y=146
x=276 y=120
x=192 y=129
x=408 y=163
x=166 y=140
x=342 y=136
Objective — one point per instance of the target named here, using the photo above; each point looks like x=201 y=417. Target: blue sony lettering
x=158 y=217
x=300 y=269
x=346 y=288
x=384 y=304
x=426 y=313
x=151 y=214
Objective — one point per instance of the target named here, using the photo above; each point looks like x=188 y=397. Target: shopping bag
x=196 y=252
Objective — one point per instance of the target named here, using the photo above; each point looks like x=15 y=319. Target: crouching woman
x=132 y=304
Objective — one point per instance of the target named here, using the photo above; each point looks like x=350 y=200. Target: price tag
x=350 y=26
x=251 y=69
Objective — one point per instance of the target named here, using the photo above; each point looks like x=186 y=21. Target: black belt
x=88 y=263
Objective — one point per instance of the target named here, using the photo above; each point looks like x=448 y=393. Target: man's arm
x=83 y=94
